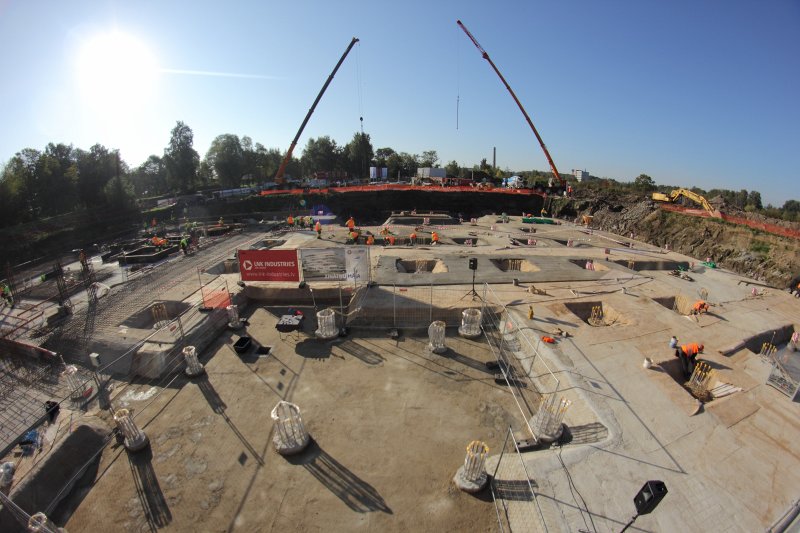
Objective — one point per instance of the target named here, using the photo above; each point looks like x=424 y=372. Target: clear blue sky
x=691 y=93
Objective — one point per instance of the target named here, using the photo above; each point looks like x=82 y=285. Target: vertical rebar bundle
x=159 y=311
x=326 y=320
x=77 y=387
x=596 y=318
x=436 y=334
x=472 y=476
x=193 y=366
x=39 y=523
x=135 y=438
x=7 y=470
x=547 y=423
x=700 y=379
x=767 y=349
x=290 y=432
x=470 y=323
x=234 y=321
x=475 y=461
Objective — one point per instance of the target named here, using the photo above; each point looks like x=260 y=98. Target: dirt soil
x=389 y=421
x=769 y=258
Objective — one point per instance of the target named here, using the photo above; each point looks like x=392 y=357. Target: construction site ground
x=390 y=420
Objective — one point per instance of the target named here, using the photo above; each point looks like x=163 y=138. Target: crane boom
x=553 y=168
x=288 y=157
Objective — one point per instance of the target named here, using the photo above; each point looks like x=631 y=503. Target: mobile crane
x=558 y=184
x=279 y=179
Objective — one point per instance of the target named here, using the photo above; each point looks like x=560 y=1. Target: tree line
x=63 y=179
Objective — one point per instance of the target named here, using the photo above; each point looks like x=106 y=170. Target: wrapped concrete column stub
x=135 y=438
x=291 y=436
x=193 y=366
x=436 y=336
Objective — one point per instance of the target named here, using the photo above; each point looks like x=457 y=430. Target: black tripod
x=472 y=293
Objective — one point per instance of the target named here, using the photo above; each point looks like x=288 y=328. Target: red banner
x=269 y=265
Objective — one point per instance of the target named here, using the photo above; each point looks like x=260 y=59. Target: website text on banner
x=269 y=265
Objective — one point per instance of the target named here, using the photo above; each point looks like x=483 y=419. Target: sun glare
x=116 y=73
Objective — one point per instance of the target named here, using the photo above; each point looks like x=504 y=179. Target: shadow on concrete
x=218 y=406
x=362 y=353
x=354 y=492
x=154 y=505
x=468 y=361
x=313 y=349
x=615 y=524
x=584 y=434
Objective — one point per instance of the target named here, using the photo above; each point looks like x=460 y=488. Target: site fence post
x=431 y=303
x=341 y=304
x=394 y=305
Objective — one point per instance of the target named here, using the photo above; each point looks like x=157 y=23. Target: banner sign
x=327 y=264
x=269 y=265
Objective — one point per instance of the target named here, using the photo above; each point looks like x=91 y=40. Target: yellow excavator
x=686 y=193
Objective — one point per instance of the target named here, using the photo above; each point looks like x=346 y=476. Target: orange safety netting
x=217 y=299
x=763 y=226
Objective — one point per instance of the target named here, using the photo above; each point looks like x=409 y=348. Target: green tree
x=452 y=168
x=150 y=178
x=359 y=155
x=95 y=168
x=320 y=154
x=643 y=182
x=429 y=158
x=181 y=159
x=382 y=156
x=754 y=199
x=226 y=157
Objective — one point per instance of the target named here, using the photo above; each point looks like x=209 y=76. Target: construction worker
x=318 y=229
x=370 y=240
x=290 y=221
x=412 y=239
x=351 y=224
x=699 y=307
x=5 y=293
x=185 y=245
x=544 y=212
x=353 y=237
x=434 y=237
x=391 y=240
x=687 y=354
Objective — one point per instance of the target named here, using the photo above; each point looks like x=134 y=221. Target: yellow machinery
x=677 y=193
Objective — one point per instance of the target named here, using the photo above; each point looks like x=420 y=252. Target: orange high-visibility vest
x=690 y=349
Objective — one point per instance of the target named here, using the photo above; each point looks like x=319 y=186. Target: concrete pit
x=413 y=266
x=652 y=264
x=597 y=313
x=514 y=265
x=463 y=240
x=598 y=265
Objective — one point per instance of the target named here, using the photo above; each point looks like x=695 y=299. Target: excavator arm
x=686 y=193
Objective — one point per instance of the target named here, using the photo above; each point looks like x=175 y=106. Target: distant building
x=378 y=173
x=581 y=175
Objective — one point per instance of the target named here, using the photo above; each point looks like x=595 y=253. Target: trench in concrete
x=598 y=266
x=266 y=244
x=148 y=317
x=146 y=254
x=413 y=266
x=226 y=266
x=507 y=264
x=681 y=304
x=464 y=240
x=652 y=264
x=604 y=316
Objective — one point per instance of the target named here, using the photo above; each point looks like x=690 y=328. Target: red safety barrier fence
x=763 y=226
x=430 y=188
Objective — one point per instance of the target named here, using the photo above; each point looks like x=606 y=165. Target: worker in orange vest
x=370 y=240
x=354 y=237
x=687 y=354
x=699 y=308
x=318 y=229
x=412 y=238
x=290 y=221
x=434 y=237
x=391 y=240
x=351 y=223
